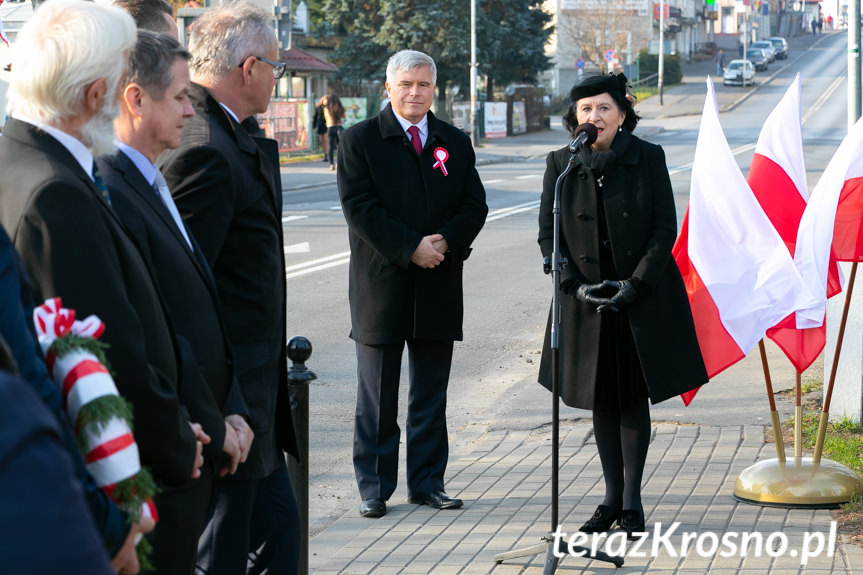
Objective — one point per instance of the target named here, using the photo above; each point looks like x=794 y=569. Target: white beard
x=98 y=133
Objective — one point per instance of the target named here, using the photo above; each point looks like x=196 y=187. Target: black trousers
x=182 y=513
x=376 y=431
x=253 y=527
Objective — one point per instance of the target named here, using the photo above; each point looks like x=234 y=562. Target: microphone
x=585 y=134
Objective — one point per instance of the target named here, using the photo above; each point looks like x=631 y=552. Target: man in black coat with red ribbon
x=414 y=204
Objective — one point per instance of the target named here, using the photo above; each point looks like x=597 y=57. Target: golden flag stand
x=803 y=482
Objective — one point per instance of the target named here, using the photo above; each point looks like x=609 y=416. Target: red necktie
x=415 y=140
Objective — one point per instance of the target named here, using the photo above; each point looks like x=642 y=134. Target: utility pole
x=474 y=129
x=853 y=62
x=661 y=70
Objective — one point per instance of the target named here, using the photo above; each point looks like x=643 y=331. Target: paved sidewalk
x=504 y=474
x=505 y=480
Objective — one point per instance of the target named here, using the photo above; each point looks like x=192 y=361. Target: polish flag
x=3 y=37
x=778 y=180
x=738 y=273
x=832 y=225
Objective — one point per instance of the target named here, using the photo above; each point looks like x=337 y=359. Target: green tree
x=368 y=31
x=511 y=39
x=512 y=34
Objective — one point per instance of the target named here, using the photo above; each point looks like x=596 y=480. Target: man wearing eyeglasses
x=226 y=184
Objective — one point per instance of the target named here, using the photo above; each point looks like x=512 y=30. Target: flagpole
x=798 y=415
x=825 y=411
x=774 y=415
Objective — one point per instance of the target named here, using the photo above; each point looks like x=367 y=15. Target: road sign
x=579 y=63
x=610 y=55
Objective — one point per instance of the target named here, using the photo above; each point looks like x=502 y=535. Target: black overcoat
x=391 y=199
x=642 y=225
x=210 y=389
x=76 y=248
x=225 y=186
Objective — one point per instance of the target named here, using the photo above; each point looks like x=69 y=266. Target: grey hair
x=408 y=61
x=223 y=37
x=151 y=62
x=65 y=47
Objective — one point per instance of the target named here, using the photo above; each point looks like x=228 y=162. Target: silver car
x=767 y=46
x=780 y=45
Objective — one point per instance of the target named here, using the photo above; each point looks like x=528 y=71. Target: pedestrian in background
x=414 y=203
x=320 y=124
x=720 y=63
x=627 y=335
x=334 y=113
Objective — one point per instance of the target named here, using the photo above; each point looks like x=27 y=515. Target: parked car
x=758 y=57
x=780 y=45
x=739 y=73
x=767 y=46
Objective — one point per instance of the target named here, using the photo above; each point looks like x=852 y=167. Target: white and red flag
x=2 y=31
x=777 y=177
x=832 y=225
x=738 y=273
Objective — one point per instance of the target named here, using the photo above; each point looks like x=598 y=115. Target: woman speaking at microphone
x=627 y=335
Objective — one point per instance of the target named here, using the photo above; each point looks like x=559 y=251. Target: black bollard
x=299 y=350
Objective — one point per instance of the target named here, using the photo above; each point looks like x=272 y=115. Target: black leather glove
x=625 y=295
x=588 y=293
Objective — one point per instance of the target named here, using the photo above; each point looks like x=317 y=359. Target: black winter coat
x=392 y=199
x=642 y=225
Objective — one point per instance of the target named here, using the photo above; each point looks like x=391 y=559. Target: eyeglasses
x=279 y=68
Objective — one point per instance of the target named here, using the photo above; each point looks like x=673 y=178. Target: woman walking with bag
x=334 y=113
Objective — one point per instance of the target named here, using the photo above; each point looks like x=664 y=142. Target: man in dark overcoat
x=153 y=106
x=414 y=204
x=226 y=185
x=58 y=214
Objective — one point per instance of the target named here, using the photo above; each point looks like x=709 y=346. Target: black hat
x=599 y=84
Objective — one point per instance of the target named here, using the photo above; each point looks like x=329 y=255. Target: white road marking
x=511 y=211
x=687 y=167
x=319 y=264
x=822 y=99
x=286 y=219
x=301 y=248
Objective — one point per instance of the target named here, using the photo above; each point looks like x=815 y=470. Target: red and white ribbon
x=112 y=454
x=442 y=156
x=53 y=320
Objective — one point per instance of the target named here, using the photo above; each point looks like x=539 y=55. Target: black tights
x=622 y=438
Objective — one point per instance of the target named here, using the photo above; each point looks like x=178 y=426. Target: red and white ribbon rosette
x=441 y=155
x=99 y=415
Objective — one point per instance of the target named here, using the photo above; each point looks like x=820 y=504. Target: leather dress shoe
x=632 y=521
x=436 y=499
x=374 y=507
x=602 y=520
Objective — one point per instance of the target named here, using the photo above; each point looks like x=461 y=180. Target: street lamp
x=661 y=70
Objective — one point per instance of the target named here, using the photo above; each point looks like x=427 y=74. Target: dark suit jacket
x=638 y=205
x=44 y=525
x=74 y=247
x=225 y=188
x=16 y=327
x=210 y=391
x=391 y=199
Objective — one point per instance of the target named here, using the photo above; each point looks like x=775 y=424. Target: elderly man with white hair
x=62 y=100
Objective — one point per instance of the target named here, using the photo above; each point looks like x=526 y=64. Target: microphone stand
x=558 y=262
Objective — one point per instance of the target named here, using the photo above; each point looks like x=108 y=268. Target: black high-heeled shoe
x=602 y=520
x=632 y=521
